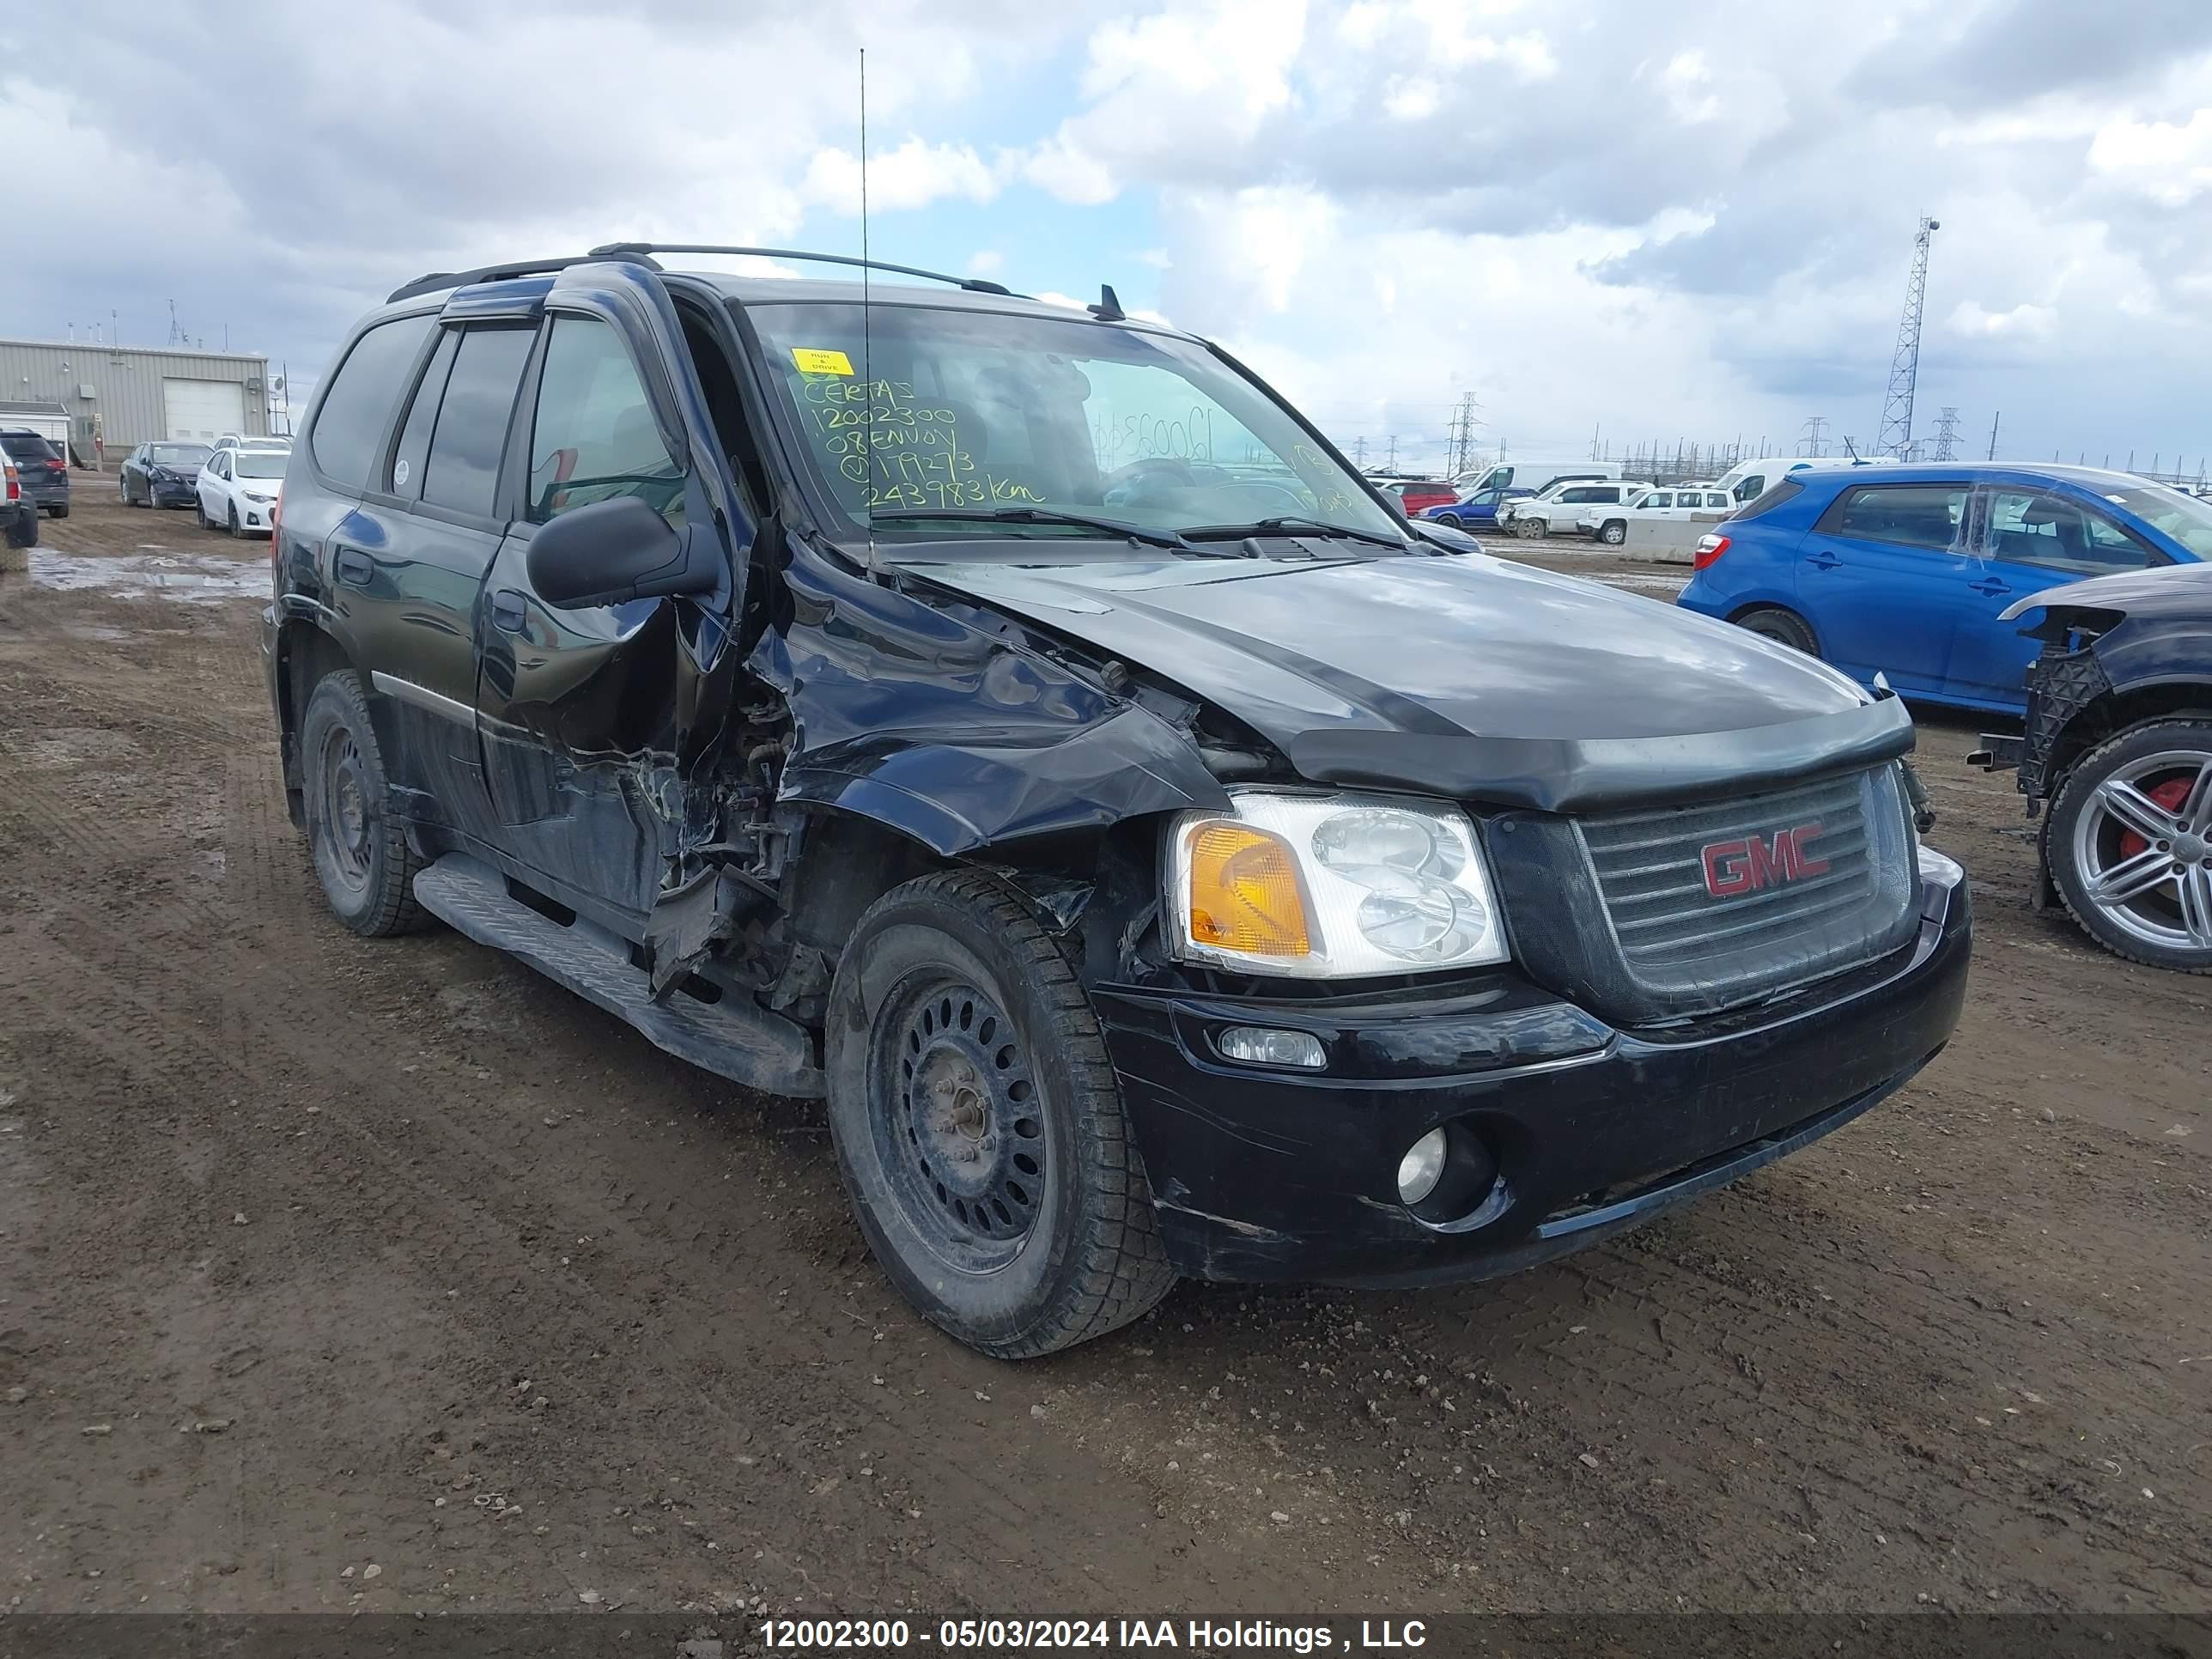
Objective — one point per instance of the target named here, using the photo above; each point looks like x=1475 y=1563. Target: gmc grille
x=1712 y=904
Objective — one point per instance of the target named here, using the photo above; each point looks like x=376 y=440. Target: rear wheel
x=361 y=855
x=1785 y=627
x=979 y=1126
x=2129 y=844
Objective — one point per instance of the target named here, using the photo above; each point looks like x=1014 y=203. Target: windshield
x=993 y=412
x=178 y=454
x=2185 y=517
x=260 y=462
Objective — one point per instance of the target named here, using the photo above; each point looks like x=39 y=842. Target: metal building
x=118 y=397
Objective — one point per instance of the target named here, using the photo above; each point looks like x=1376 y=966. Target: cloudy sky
x=1599 y=216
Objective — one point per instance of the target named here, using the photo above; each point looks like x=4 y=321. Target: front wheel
x=2129 y=843
x=235 y=531
x=979 y=1126
x=1613 y=533
x=1530 y=530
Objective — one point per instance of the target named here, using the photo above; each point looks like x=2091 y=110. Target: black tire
x=1785 y=627
x=361 y=855
x=935 y=1107
x=61 y=513
x=2082 y=840
x=1614 y=532
x=199 y=512
x=235 y=532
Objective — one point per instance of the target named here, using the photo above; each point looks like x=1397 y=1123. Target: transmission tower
x=1895 y=437
x=1812 y=444
x=1942 y=446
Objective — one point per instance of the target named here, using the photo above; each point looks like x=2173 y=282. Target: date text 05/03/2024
x=1203 y=1635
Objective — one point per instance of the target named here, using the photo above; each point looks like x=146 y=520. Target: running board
x=733 y=1037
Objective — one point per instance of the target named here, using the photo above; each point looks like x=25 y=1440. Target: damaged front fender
x=950 y=726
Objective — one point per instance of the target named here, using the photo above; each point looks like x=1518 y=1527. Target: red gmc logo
x=1746 y=866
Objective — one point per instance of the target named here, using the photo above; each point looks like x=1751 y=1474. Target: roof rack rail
x=619 y=250
x=440 y=279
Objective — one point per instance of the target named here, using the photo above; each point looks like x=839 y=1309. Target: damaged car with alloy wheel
x=1019 y=729
x=2115 y=757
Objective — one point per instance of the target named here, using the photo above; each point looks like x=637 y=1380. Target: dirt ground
x=339 y=1275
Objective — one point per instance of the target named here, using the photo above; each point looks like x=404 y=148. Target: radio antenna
x=867 y=335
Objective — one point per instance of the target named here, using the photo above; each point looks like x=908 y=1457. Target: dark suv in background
x=1023 y=730
x=43 y=469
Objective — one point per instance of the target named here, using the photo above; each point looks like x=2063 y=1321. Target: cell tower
x=1896 y=435
x=1942 y=446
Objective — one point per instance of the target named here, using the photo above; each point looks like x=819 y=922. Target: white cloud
x=2022 y=321
x=912 y=176
x=986 y=262
x=1688 y=84
x=2169 y=162
x=1172 y=91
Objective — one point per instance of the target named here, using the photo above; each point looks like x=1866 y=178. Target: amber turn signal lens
x=1244 y=892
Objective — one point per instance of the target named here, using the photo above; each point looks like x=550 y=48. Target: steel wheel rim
x=958 y=1123
x=2143 y=848
x=345 y=822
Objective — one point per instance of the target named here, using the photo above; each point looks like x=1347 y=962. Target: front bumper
x=181 y=493
x=1270 y=1174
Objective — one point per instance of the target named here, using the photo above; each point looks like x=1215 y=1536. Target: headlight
x=1331 y=887
x=255 y=496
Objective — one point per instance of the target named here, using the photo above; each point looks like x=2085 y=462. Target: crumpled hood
x=1462 y=673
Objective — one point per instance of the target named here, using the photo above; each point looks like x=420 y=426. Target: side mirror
x=620 y=549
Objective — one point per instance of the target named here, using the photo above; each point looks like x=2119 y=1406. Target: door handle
x=508 y=612
x=1822 y=560
x=354 y=567
x=1989 y=586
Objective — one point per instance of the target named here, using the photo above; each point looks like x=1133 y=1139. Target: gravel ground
x=337 y=1275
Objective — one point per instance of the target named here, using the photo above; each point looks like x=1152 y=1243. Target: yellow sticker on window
x=813 y=361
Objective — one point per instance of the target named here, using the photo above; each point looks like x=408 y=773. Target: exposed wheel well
x=2116 y=712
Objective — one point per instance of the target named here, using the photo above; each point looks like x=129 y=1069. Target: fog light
x=1255 y=1045
x=1421 y=1168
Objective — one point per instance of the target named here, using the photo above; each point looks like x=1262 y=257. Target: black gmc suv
x=1023 y=729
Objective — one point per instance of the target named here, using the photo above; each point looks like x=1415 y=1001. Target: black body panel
x=1273 y=1176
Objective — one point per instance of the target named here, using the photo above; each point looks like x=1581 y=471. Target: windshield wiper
x=1281 y=527
x=1135 y=532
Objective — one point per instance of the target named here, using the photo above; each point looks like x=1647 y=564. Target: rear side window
x=1785 y=490
x=1907 y=515
x=594 y=436
x=462 y=472
x=414 y=446
x=356 y=411
x=27 y=446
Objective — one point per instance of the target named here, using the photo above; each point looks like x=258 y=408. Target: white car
x=1705 y=503
x=257 y=441
x=238 y=489
x=1561 y=505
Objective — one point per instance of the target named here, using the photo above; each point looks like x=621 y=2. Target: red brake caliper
x=2170 y=795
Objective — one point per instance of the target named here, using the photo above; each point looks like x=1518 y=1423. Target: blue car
x=1479 y=511
x=1905 y=570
